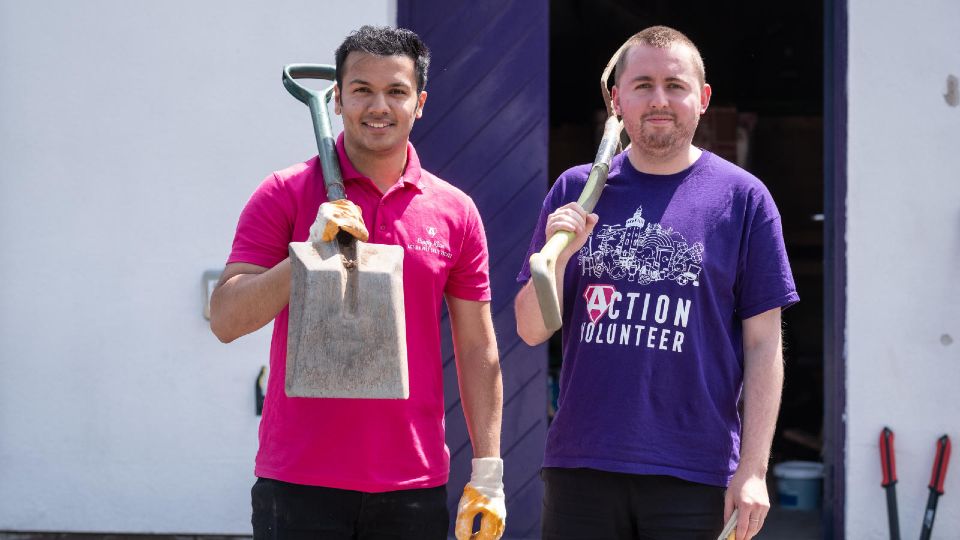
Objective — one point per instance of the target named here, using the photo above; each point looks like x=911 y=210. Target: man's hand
x=335 y=216
x=573 y=218
x=748 y=493
x=483 y=495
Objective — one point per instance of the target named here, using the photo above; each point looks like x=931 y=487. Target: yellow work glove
x=483 y=495
x=335 y=216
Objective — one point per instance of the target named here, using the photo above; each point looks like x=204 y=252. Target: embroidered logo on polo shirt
x=434 y=245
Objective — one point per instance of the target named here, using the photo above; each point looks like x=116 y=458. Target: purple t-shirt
x=653 y=309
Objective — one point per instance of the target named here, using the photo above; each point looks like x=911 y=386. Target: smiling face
x=379 y=103
x=660 y=97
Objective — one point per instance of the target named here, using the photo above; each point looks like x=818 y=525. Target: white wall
x=131 y=135
x=903 y=241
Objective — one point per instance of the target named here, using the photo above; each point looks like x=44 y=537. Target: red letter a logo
x=599 y=298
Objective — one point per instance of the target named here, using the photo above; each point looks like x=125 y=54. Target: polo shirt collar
x=412 y=175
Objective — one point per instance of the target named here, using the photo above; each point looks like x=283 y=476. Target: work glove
x=483 y=495
x=335 y=216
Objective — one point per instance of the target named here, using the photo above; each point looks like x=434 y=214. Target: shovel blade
x=347 y=335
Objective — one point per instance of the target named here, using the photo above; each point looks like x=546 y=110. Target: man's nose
x=659 y=97
x=379 y=103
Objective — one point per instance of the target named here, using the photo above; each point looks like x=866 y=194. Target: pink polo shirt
x=368 y=445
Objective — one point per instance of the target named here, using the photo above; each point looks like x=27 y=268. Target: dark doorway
x=765 y=62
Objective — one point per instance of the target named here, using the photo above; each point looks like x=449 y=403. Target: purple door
x=485 y=130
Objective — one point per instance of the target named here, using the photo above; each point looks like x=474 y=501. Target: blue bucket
x=799 y=484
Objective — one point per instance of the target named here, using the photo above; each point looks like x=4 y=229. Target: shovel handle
x=317 y=101
x=729 y=531
x=543 y=265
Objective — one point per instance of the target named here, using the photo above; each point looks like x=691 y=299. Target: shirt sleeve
x=551 y=202
x=765 y=280
x=469 y=278
x=265 y=227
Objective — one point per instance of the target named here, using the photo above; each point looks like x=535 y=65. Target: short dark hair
x=386 y=41
x=661 y=37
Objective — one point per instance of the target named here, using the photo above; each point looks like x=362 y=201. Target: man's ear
x=705 y=93
x=421 y=99
x=336 y=98
x=615 y=100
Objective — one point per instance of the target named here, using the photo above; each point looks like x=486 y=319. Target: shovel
x=729 y=531
x=347 y=335
x=543 y=265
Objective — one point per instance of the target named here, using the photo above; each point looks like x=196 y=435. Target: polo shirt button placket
x=380 y=219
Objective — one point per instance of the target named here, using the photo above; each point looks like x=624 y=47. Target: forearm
x=762 y=386
x=530 y=325
x=248 y=299
x=478 y=372
x=481 y=393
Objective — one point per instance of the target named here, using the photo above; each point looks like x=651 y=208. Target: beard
x=659 y=142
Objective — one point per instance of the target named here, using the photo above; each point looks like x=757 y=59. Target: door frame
x=835 y=73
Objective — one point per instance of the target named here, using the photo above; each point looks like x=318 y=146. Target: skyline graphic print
x=641 y=252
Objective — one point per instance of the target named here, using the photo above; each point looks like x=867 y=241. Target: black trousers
x=283 y=511
x=587 y=504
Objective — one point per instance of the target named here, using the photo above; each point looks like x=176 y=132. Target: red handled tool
x=889 y=463
x=940 y=463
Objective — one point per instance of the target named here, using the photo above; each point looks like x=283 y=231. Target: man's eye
x=362 y=90
x=398 y=92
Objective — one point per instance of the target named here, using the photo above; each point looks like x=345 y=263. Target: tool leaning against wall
x=937 y=476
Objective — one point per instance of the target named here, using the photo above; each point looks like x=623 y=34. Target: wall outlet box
x=210 y=280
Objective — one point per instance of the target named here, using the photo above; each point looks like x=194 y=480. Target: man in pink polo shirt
x=370 y=469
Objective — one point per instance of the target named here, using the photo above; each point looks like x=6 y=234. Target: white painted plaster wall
x=131 y=135
x=903 y=237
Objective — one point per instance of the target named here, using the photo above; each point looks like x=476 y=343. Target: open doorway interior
x=765 y=63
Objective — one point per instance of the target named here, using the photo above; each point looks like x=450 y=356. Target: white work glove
x=483 y=495
x=335 y=216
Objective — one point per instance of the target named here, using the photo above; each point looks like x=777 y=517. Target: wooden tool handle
x=729 y=531
x=543 y=265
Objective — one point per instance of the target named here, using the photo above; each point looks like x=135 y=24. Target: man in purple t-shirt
x=671 y=299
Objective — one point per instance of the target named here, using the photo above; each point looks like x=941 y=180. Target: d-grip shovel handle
x=543 y=265
x=317 y=101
